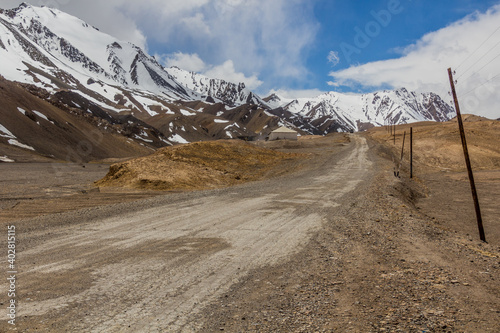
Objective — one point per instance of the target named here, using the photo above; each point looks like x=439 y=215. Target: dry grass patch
x=200 y=165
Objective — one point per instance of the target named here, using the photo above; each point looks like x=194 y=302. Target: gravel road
x=155 y=268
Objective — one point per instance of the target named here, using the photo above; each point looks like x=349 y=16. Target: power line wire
x=467 y=93
x=489 y=62
x=484 y=55
x=470 y=55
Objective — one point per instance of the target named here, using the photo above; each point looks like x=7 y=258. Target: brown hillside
x=199 y=165
x=59 y=134
x=437 y=146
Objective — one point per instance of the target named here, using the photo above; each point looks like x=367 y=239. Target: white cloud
x=189 y=62
x=333 y=58
x=227 y=72
x=423 y=65
x=196 y=25
x=259 y=36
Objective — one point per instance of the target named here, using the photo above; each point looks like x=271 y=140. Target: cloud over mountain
x=422 y=66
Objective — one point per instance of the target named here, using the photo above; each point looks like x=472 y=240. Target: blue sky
x=305 y=47
x=408 y=22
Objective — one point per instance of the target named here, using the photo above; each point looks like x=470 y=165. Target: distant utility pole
x=467 y=159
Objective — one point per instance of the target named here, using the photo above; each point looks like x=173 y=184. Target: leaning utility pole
x=467 y=159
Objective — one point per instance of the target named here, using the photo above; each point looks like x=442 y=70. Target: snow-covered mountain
x=41 y=39
x=229 y=93
x=61 y=58
x=55 y=50
x=358 y=111
x=116 y=86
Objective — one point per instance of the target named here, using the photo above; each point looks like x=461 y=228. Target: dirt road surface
x=336 y=247
x=153 y=269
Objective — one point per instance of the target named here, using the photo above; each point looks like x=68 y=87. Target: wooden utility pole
x=411 y=152
x=403 y=147
x=467 y=159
